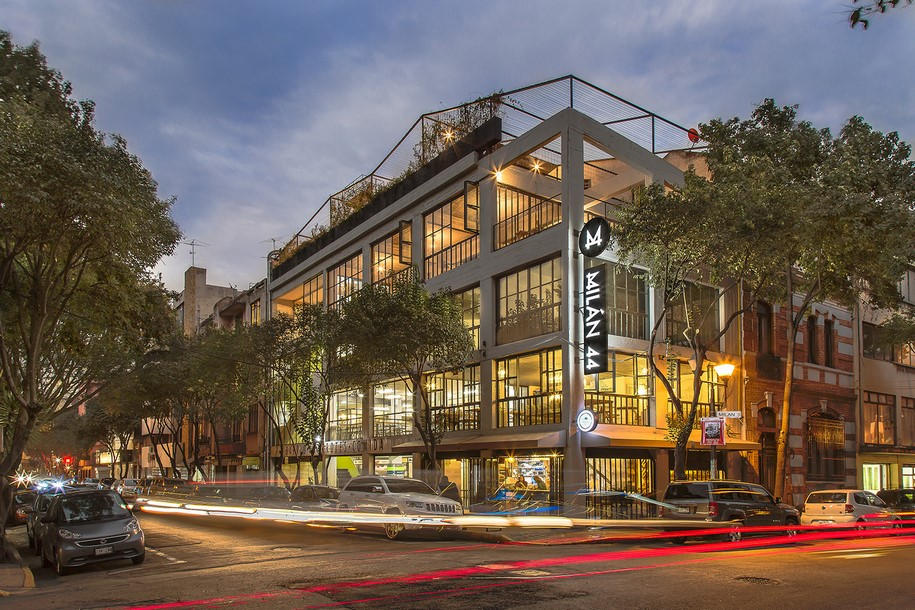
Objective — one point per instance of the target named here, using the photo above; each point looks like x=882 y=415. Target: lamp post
x=724 y=372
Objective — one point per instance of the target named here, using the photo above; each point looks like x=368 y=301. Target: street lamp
x=724 y=372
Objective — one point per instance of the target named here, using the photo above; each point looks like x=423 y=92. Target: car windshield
x=826 y=497
x=93 y=507
x=907 y=496
x=408 y=486
x=687 y=491
x=327 y=493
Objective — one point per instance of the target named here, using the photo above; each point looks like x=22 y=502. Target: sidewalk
x=551 y=536
x=15 y=576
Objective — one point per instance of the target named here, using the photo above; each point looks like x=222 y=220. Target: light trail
x=742 y=549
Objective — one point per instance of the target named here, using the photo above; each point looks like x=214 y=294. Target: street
x=226 y=562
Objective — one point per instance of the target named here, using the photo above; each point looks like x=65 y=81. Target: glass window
x=256 y=312
x=448 y=242
x=344 y=422
x=875 y=477
x=312 y=291
x=627 y=301
x=529 y=302
x=825 y=448
x=829 y=343
x=907 y=424
x=387 y=259
x=454 y=397
x=470 y=312
x=879 y=418
x=764 y=327
x=904 y=354
x=522 y=214
x=394 y=465
x=700 y=302
x=874 y=345
x=620 y=395
x=344 y=280
x=812 y=339
x=341 y=469
x=407 y=486
x=393 y=409
x=529 y=388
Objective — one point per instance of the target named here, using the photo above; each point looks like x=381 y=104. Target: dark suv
x=734 y=501
x=902 y=501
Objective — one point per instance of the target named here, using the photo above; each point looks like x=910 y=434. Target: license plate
x=103 y=550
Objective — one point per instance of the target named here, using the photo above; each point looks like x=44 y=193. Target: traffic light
x=68 y=461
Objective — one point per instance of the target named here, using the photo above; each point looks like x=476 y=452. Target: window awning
x=606 y=435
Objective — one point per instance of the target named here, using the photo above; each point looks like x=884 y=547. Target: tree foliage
x=81 y=225
x=864 y=10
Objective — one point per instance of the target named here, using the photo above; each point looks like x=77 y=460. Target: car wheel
x=138 y=559
x=393 y=530
x=791 y=531
x=859 y=525
x=59 y=566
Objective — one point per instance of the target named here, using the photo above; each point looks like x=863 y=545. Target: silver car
x=845 y=506
x=398 y=496
x=90 y=526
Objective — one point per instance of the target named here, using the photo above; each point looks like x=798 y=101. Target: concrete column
x=368 y=465
x=573 y=475
x=488 y=420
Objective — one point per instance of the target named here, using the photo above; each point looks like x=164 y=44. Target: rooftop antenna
x=193 y=243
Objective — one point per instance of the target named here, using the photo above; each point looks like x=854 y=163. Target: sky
x=251 y=113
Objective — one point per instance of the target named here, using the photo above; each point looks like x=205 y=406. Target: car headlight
x=132 y=527
x=413 y=504
x=68 y=535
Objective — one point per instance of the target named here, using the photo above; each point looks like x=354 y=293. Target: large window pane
x=701 y=302
x=529 y=302
x=522 y=214
x=454 y=397
x=620 y=395
x=448 y=242
x=470 y=312
x=825 y=448
x=529 y=389
x=879 y=414
x=345 y=417
x=393 y=409
x=344 y=280
x=388 y=260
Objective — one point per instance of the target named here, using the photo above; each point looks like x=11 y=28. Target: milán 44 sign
x=595 y=318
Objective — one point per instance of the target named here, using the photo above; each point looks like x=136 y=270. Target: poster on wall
x=713 y=431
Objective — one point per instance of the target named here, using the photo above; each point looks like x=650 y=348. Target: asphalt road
x=233 y=562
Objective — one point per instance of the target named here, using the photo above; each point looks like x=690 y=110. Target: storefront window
x=470 y=312
x=529 y=389
x=529 y=302
x=711 y=390
x=394 y=465
x=875 y=477
x=454 y=397
x=341 y=469
x=908 y=477
x=529 y=475
x=345 y=417
x=620 y=474
x=620 y=396
x=393 y=409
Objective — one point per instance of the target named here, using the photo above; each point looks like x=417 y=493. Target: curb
x=28 y=579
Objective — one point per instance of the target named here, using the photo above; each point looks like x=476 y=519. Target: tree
x=861 y=15
x=844 y=223
x=716 y=235
x=405 y=332
x=58 y=437
x=81 y=225
x=112 y=420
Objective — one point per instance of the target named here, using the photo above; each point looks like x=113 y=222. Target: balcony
x=536 y=214
x=626 y=323
x=344 y=430
x=453 y=256
x=703 y=409
x=393 y=425
x=459 y=417
x=618 y=409
x=529 y=410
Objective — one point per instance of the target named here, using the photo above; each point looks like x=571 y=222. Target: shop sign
x=594 y=237
x=730 y=414
x=586 y=420
x=595 y=318
x=713 y=431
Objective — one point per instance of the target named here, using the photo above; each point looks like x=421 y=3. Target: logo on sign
x=594 y=236
x=586 y=420
x=595 y=318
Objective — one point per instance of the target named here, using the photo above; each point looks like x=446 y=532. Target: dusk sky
x=252 y=113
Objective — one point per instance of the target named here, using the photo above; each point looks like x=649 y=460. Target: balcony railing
x=618 y=409
x=529 y=410
x=703 y=409
x=458 y=417
x=393 y=425
x=537 y=214
x=626 y=323
x=344 y=430
x=452 y=256
x=529 y=323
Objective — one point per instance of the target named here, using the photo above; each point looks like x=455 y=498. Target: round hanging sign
x=586 y=420
x=594 y=236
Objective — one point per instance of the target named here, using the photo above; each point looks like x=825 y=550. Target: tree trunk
x=781 y=445
x=216 y=447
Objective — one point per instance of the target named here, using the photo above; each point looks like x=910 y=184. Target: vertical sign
x=595 y=318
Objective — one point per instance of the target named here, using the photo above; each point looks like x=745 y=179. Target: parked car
x=128 y=488
x=169 y=487
x=253 y=495
x=90 y=526
x=34 y=526
x=88 y=483
x=901 y=501
x=315 y=497
x=845 y=506
x=728 y=501
x=106 y=483
x=393 y=495
x=21 y=506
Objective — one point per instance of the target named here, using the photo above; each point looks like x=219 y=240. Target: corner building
x=494 y=218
